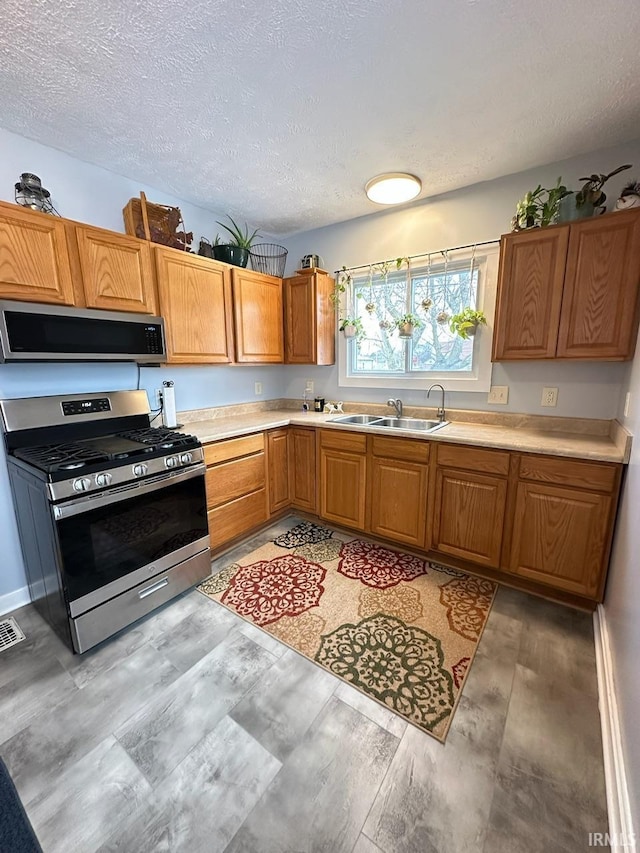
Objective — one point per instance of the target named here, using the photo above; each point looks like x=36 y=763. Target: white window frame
x=479 y=380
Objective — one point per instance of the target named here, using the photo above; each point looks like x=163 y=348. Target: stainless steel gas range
x=111 y=512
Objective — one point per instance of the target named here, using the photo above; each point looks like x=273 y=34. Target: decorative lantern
x=31 y=193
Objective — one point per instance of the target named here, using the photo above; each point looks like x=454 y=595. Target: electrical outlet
x=499 y=394
x=158 y=398
x=257 y=388
x=549 y=397
x=309 y=386
x=627 y=404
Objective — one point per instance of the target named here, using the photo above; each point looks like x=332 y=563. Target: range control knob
x=186 y=458
x=140 y=469
x=82 y=484
x=103 y=479
x=171 y=462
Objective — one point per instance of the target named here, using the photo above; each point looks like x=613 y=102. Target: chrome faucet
x=396 y=404
x=441 y=412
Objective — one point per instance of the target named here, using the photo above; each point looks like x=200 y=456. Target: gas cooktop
x=59 y=460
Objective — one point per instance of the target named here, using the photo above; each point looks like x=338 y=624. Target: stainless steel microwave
x=37 y=332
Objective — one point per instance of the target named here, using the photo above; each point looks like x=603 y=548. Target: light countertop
x=604 y=448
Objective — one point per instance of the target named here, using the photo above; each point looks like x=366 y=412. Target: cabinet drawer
x=236 y=517
x=400 y=448
x=569 y=472
x=221 y=451
x=231 y=480
x=339 y=440
x=473 y=459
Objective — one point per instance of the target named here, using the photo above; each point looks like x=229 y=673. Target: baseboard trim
x=621 y=832
x=12 y=600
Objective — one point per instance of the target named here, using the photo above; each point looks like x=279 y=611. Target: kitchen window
x=434 y=289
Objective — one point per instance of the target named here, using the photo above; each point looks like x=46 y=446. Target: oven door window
x=104 y=544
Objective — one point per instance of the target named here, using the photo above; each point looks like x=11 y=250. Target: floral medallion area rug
x=402 y=630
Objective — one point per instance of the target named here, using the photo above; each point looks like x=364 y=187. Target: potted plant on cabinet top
x=351 y=327
x=407 y=325
x=235 y=252
x=584 y=203
x=465 y=323
x=534 y=210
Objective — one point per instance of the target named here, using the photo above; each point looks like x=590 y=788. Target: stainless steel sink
x=362 y=420
x=392 y=423
x=411 y=423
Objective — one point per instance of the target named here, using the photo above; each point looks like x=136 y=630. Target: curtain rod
x=420 y=255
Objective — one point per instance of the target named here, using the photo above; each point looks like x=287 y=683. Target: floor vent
x=10 y=633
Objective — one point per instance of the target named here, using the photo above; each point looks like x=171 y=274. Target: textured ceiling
x=279 y=112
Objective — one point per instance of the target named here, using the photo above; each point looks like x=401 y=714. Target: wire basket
x=269 y=258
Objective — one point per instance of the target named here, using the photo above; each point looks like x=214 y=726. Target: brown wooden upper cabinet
x=34 y=260
x=195 y=301
x=258 y=316
x=45 y=258
x=570 y=291
x=115 y=270
x=310 y=321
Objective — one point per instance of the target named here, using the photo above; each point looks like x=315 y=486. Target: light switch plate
x=627 y=404
x=309 y=386
x=499 y=394
x=549 y=397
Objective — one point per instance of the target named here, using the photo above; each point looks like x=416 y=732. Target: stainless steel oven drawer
x=96 y=625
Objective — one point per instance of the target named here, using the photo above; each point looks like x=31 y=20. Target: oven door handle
x=132 y=490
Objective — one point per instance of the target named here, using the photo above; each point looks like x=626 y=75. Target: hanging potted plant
x=465 y=324
x=236 y=251
x=407 y=325
x=351 y=327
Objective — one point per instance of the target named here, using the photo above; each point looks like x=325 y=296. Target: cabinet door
x=257 y=305
x=34 y=260
x=469 y=515
x=195 y=301
x=310 y=321
x=302 y=468
x=529 y=297
x=399 y=500
x=600 y=308
x=300 y=319
x=561 y=537
x=342 y=487
x=278 y=462
x=116 y=271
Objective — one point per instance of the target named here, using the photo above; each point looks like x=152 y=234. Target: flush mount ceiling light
x=393 y=188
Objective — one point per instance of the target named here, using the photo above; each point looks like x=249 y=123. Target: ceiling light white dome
x=393 y=188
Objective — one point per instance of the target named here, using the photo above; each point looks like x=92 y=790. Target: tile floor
x=195 y=731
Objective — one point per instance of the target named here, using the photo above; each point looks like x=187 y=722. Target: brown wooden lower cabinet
x=469 y=515
x=236 y=487
x=561 y=537
x=469 y=502
x=302 y=469
x=398 y=482
x=278 y=468
x=343 y=478
x=552 y=516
